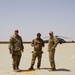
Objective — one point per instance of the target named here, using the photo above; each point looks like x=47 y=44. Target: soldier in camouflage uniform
x=52 y=43
x=16 y=48
x=37 y=43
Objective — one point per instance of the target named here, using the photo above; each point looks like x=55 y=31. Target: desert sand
x=64 y=58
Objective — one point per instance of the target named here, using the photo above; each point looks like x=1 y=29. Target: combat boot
x=13 y=67
x=16 y=69
x=38 y=67
x=52 y=69
x=31 y=68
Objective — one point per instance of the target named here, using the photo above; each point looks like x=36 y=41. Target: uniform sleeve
x=32 y=41
x=55 y=43
x=22 y=44
x=43 y=43
x=10 y=44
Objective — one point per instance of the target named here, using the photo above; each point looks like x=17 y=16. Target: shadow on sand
x=26 y=70
x=61 y=69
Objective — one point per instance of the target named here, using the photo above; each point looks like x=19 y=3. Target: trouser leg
x=34 y=55
x=18 y=60
x=14 y=62
x=51 y=58
x=39 y=60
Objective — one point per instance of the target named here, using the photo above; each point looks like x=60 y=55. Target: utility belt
x=35 y=51
x=16 y=53
x=38 y=50
x=17 y=50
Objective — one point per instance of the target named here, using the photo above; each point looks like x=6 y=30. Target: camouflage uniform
x=16 y=45
x=37 y=53
x=52 y=43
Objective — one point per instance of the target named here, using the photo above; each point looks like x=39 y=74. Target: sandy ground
x=64 y=57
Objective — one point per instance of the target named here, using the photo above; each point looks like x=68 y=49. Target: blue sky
x=33 y=16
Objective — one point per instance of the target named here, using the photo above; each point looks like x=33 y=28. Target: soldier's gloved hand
x=10 y=51
x=33 y=45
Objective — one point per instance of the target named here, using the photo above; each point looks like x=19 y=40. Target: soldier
x=52 y=43
x=15 y=49
x=37 y=43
